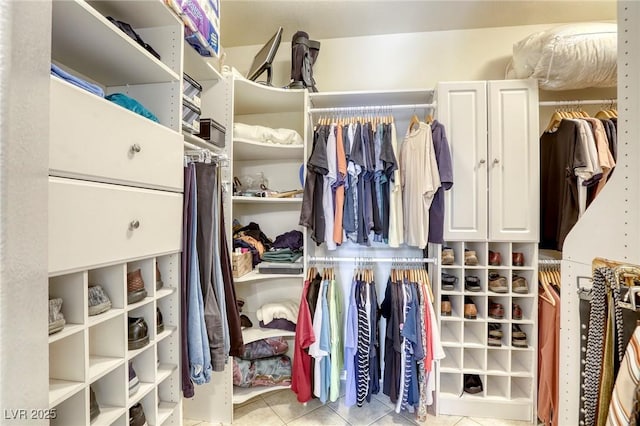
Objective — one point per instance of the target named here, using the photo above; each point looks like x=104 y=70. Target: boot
x=304 y=53
x=314 y=51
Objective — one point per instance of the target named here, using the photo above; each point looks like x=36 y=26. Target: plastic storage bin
x=212 y=131
x=190 y=117
x=191 y=90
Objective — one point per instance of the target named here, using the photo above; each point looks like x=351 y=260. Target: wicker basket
x=241 y=264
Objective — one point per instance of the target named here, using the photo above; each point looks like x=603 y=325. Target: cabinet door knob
x=135 y=224
x=135 y=148
x=483 y=161
x=496 y=161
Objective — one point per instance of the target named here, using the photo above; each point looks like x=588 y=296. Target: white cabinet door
x=513 y=160
x=462 y=108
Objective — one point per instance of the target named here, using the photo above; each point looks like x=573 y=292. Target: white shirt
x=396 y=216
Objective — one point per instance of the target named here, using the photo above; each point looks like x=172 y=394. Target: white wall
x=400 y=61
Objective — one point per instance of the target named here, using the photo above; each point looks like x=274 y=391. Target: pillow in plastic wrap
x=568 y=57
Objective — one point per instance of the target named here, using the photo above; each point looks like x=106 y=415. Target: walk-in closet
x=254 y=212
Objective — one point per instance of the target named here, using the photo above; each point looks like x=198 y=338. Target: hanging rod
x=372 y=108
x=320 y=259
x=578 y=102
x=549 y=261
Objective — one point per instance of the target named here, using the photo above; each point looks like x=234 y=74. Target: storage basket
x=241 y=264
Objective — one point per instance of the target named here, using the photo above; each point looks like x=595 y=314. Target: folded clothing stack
x=266 y=134
x=76 y=81
x=285 y=309
x=282 y=255
x=274 y=371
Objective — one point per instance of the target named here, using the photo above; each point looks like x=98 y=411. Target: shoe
x=138 y=333
x=496 y=310
x=472 y=383
x=495 y=259
x=159 y=322
x=516 y=313
x=94 y=408
x=135 y=287
x=497 y=283
x=98 y=300
x=245 y=322
x=517 y=259
x=449 y=281
x=134 y=383
x=518 y=337
x=56 y=317
x=445 y=306
x=136 y=415
x=448 y=257
x=472 y=283
x=495 y=334
x=519 y=284
x=470 y=258
x=470 y=310
x=159 y=283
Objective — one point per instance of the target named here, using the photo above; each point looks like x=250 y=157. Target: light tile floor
x=282 y=408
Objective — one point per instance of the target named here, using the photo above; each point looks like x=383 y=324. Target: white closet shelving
x=115 y=206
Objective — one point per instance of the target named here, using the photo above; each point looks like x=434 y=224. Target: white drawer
x=95 y=139
x=92 y=223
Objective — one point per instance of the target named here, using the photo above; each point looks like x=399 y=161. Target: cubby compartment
x=174 y=419
x=147 y=269
x=528 y=330
x=452 y=359
x=531 y=281
x=451 y=384
x=502 y=253
x=71 y=411
x=66 y=367
x=451 y=332
x=481 y=253
x=503 y=327
x=527 y=307
x=168 y=396
x=480 y=303
x=475 y=333
x=458 y=254
x=521 y=362
x=493 y=314
x=168 y=353
x=70 y=288
x=110 y=392
x=458 y=287
x=457 y=307
x=476 y=273
x=106 y=347
x=149 y=405
x=474 y=360
x=144 y=364
x=528 y=251
x=169 y=268
x=112 y=279
x=168 y=310
x=497 y=386
x=502 y=273
x=498 y=361
x=148 y=314
x=521 y=388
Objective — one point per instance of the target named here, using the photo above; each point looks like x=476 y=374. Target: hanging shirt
x=374 y=345
x=420 y=181
x=350 y=347
x=445 y=171
x=311 y=213
x=590 y=171
x=325 y=346
x=316 y=350
x=327 y=191
x=301 y=369
x=337 y=354
x=396 y=215
x=389 y=166
x=605 y=158
x=339 y=186
x=362 y=355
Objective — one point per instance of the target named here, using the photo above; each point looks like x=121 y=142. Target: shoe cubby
x=144 y=365
x=147 y=269
x=112 y=279
x=169 y=267
x=458 y=254
x=526 y=306
x=531 y=280
x=521 y=388
x=493 y=315
x=149 y=406
x=501 y=273
x=451 y=332
x=498 y=361
x=458 y=287
x=474 y=273
x=74 y=301
x=481 y=253
x=504 y=252
x=148 y=313
x=72 y=411
x=168 y=354
x=169 y=394
x=106 y=347
x=66 y=367
x=475 y=333
x=452 y=359
x=473 y=360
x=451 y=384
x=528 y=250
x=110 y=396
x=457 y=307
x=480 y=302
x=497 y=386
x=521 y=362
x=170 y=316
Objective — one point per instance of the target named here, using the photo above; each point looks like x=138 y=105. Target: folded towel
x=287 y=309
x=76 y=81
x=282 y=255
x=132 y=105
x=266 y=134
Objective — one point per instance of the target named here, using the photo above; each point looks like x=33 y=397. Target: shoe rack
x=92 y=352
x=507 y=372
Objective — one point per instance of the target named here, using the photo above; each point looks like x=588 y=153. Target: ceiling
x=250 y=22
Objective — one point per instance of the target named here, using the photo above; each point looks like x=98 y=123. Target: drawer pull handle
x=135 y=148
x=135 y=224
x=483 y=161
x=496 y=161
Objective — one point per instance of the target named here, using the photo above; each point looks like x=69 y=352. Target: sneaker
x=136 y=415
x=472 y=283
x=159 y=322
x=497 y=283
x=518 y=337
x=56 y=317
x=448 y=257
x=519 y=284
x=470 y=258
x=494 y=334
x=134 y=383
x=138 y=335
x=94 y=408
x=159 y=283
x=448 y=281
x=98 y=300
x=135 y=287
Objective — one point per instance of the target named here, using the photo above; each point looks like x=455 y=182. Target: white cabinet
x=492 y=132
